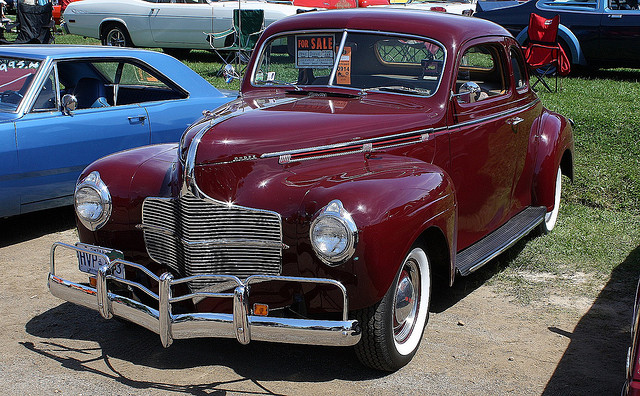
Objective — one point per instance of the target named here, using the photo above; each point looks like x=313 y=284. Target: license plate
x=90 y=263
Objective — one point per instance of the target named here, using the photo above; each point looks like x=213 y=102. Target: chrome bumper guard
x=240 y=324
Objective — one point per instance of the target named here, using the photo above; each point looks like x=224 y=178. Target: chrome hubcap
x=115 y=38
x=406 y=301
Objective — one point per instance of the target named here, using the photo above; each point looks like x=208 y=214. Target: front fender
x=392 y=205
x=131 y=176
x=577 y=56
x=554 y=149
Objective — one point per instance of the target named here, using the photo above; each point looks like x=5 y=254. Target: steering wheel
x=10 y=97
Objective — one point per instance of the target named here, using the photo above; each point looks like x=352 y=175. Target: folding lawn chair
x=241 y=38
x=543 y=54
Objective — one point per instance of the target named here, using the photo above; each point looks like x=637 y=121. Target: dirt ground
x=477 y=342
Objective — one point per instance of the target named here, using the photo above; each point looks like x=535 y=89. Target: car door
x=54 y=147
x=183 y=22
x=9 y=193
x=488 y=140
x=620 y=32
x=582 y=18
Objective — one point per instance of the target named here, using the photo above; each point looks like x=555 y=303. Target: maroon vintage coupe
x=370 y=154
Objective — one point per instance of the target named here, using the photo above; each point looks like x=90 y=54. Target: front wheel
x=551 y=217
x=116 y=36
x=392 y=329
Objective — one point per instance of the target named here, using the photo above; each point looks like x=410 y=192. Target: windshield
x=15 y=77
x=368 y=62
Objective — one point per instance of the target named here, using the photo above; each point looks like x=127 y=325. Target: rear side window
x=519 y=75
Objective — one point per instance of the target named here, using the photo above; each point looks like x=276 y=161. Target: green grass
x=598 y=232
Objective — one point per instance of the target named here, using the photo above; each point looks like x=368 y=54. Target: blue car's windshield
x=15 y=78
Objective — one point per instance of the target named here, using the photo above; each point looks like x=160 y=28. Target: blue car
x=62 y=107
x=598 y=33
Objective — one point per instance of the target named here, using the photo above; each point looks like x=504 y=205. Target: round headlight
x=92 y=201
x=333 y=234
x=89 y=203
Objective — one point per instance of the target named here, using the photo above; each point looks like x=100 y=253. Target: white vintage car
x=177 y=26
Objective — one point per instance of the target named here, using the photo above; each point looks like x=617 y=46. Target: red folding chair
x=543 y=53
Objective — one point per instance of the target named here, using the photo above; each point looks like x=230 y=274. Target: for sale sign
x=316 y=51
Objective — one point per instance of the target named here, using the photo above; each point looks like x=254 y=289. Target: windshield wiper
x=311 y=92
x=289 y=84
x=396 y=88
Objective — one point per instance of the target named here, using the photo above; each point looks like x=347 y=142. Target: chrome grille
x=201 y=236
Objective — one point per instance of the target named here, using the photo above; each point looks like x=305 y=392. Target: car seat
x=90 y=92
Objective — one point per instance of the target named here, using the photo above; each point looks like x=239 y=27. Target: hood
x=252 y=149
x=263 y=128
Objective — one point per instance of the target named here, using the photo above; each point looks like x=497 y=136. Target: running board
x=481 y=252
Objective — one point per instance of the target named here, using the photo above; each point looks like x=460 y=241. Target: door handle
x=615 y=16
x=514 y=121
x=137 y=120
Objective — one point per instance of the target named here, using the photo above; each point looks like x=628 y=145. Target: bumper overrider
x=239 y=324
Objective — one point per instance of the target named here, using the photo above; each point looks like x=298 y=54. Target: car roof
x=167 y=65
x=61 y=51
x=446 y=28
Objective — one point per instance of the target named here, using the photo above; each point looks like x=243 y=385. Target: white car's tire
x=115 y=35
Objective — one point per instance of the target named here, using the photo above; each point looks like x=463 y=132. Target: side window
x=115 y=83
x=623 y=5
x=519 y=75
x=47 y=98
x=482 y=65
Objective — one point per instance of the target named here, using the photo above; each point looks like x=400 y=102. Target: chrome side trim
x=497 y=115
x=240 y=325
x=364 y=145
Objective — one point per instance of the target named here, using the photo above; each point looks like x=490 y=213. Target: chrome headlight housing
x=92 y=201
x=333 y=234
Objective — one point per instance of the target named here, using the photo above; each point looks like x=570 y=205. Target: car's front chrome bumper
x=240 y=324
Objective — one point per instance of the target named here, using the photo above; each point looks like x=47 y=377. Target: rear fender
x=392 y=203
x=554 y=149
x=570 y=39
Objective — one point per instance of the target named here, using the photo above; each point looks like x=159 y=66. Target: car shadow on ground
x=120 y=341
x=594 y=362
x=618 y=74
x=29 y=226
x=63 y=328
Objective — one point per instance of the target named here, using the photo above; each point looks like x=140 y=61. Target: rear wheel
x=115 y=35
x=392 y=329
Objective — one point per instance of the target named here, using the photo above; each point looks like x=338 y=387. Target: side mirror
x=69 y=104
x=229 y=73
x=469 y=92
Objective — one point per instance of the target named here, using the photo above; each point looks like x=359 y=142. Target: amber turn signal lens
x=260 y=309
x=92 y=281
